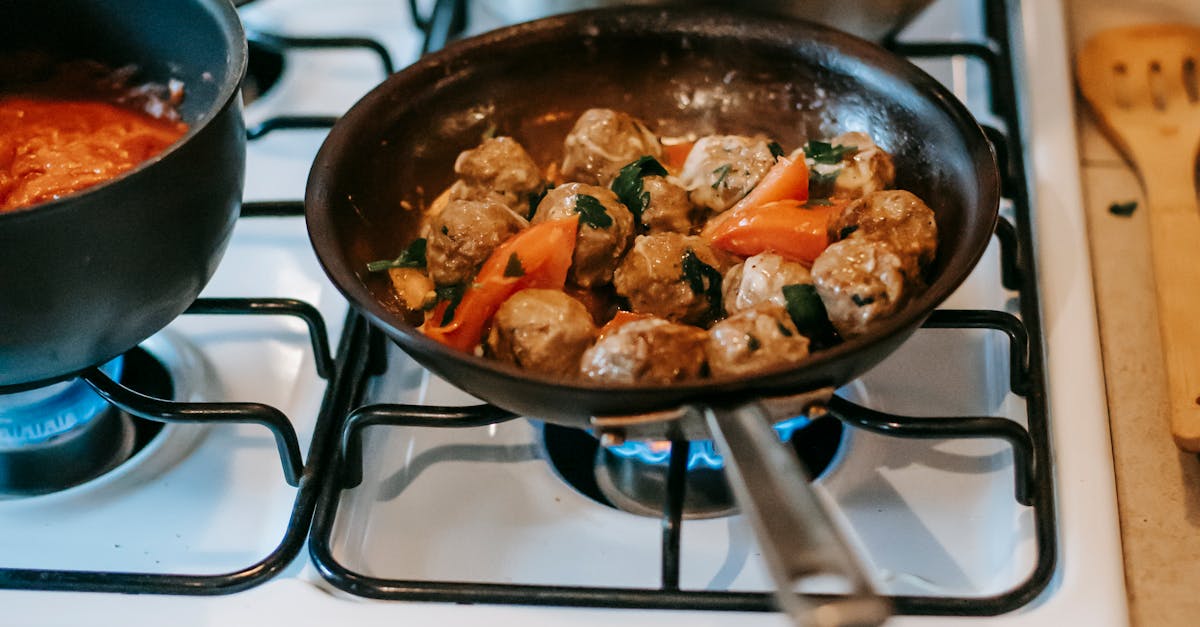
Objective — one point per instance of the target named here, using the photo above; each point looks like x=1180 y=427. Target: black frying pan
x=680 y=71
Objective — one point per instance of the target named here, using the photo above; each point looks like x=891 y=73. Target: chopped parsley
x=817 y=202
x=805 y=308
x=412 y=257
x=704 y=280
x=452 y=294
x=721 y=173
x=628 y=184
x=445 y=230
x=535 y=199
x=824 y=152
x=752 y=343
x=862 y=301
x=776 y=150
x=592 y=212
x=818 y=180
x=1123 y=208
x=847 y=230
x=514 y=268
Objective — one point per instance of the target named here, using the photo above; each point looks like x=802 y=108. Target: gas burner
x=62 y=435
x=264 y=66
x=633 y=476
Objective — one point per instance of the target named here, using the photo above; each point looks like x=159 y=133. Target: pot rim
x=236 y=61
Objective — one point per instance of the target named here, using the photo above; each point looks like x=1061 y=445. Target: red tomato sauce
x=50 y=148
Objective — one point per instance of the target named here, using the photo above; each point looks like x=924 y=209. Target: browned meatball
x=898 y=217
x=601 y=241
x=653 y=280
x=602 y=142
x=754 y=340
x=462 y=235
x=760 y=279
x=652 y=351
x=669 y=209
x=867 y=169
x=863 y=168
x=721 y=169
x=544 y=331
x=498 y=169
x=860 y=280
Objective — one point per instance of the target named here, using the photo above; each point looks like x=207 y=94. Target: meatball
x=721 y=169
x=651 y=350
x=602 y=142
x=898 y=217
x=544 y=331
x=860 y=280
x=669 y=209
x=598 y=248
x=653 y=279
x=760 y=279
x=754 y=340
x=864 y=169
x=498 y=169
x=463 y=235
x=868 y=169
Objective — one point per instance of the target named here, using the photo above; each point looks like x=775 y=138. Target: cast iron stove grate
x=1033 y=486
x=296 y=471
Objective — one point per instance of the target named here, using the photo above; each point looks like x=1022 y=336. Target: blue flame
x=702 y=454
x=39 y=415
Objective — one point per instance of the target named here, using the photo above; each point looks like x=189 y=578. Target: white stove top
x=934 y=517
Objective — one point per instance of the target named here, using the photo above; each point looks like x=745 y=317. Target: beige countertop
x=1158 y=487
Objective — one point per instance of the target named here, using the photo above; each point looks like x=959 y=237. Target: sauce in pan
x=68 y=125
x=51 y=148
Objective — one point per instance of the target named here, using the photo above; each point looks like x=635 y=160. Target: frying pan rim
x=236 y=62
x=320 y=226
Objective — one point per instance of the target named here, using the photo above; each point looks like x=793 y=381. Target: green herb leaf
x=816 y=180
x=1123 y=208
x=412 y=257
x=488 y=133
x=592 y=212
x=776 y=150
x=824 y=152
x=752 y=343
x=806 y=309
x=862 y=301
x=721 y=173
x=514 y=268
x=535 y=199
x=817 y=202
x=445 y=230
x=704 y=280
x=628 y=184
x=453 y=294
x=847 y=230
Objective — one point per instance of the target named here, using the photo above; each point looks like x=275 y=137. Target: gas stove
x=979 y=490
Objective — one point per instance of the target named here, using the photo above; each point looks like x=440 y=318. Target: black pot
x=89 y=276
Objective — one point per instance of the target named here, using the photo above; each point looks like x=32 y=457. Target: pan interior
x=694 y=74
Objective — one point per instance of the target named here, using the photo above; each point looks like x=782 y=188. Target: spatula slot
x=1121 y=86
x=1191 y=82
x=1158 y=87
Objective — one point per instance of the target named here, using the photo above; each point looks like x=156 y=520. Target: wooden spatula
x=1142 y=84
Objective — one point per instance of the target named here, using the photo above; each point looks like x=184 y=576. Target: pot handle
x=797 y=535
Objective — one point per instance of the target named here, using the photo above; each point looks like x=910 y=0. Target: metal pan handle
x=799 y=540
